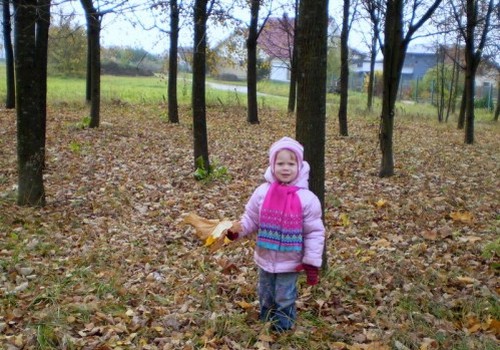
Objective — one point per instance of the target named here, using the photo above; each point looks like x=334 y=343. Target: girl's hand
x=236 y=227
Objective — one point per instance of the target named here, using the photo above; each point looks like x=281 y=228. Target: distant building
x=416 y=64
x=276 y=43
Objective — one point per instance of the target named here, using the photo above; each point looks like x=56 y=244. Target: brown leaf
x=430 y=235
x=462 y=216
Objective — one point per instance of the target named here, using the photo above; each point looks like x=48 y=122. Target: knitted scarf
x=281 y=220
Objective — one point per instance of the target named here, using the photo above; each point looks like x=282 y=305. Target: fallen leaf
x=243 y=304
x=209 y=230
x=266 y=338
x=429 y=344
x=430 y=235
x=470 y=239
x=462 y=216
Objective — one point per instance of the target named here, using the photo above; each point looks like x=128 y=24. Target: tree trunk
x=173 y=109
x=394 y=53
x=30 y=138
x=497 y=110
x=252 y=111
x=395 y=46
x=470 y=91
x=88 y=81
x=42 y=41
x=94 y=54
x=292 y=93
x=311 y=88
x=198 y=95
x=455 y=90
x=10 y=98
x=461 y=115
x=344 y=70
x=371 y=78
x=452 y=94
x=311 y=84
x=473 y=50
x=441 y=79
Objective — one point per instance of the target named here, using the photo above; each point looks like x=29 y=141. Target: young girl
x=290 y=232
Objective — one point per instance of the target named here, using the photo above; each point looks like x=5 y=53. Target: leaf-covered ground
x=108 y=264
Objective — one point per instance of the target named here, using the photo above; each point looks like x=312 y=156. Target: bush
x=113 y=68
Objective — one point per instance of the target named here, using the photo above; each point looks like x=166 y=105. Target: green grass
x=273 y=95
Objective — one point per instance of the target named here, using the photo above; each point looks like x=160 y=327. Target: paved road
x=235 y=88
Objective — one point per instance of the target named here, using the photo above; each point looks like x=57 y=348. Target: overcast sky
x=131 y=29
x=127 y=30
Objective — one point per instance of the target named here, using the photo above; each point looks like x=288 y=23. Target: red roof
x=276 y=39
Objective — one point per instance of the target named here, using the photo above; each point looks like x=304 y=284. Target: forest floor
x=413 y=260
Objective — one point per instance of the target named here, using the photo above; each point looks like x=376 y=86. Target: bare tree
x=201 y=13
x=455 y=73
x=374 y=10
x=292 y=93
x=497 y=110
x=93 y=16
x=10 y=98
x=173 y=109
x=394 y=48
x=311 y=84
x=473 y=20
x=31 y=41
x=253 y=35
x=349 y=13
x=311 y=90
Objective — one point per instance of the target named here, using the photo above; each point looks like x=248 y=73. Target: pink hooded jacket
x=313 y=229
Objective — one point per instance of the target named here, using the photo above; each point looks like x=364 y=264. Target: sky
x=135 y=29
x=132 y=32
x=131 y=29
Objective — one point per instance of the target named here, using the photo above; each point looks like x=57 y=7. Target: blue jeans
x=277 y=295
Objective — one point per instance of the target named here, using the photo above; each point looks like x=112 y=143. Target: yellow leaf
x=208 y=230
x=203 y=227
x=466 y=280
x=243 y=304
x=365 y=259
x=344 y=220
x=380 y=203
x=130 y=313
x=218 y=232
x=462 y=216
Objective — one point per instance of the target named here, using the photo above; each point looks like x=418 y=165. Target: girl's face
x=286 y=166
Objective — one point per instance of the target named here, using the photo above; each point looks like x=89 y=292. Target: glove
x=231 y=235
x=232 y=232
x=312 y=273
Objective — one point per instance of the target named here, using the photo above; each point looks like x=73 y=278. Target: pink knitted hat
x=289 y=144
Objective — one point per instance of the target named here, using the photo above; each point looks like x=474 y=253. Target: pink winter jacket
x=314 y=232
